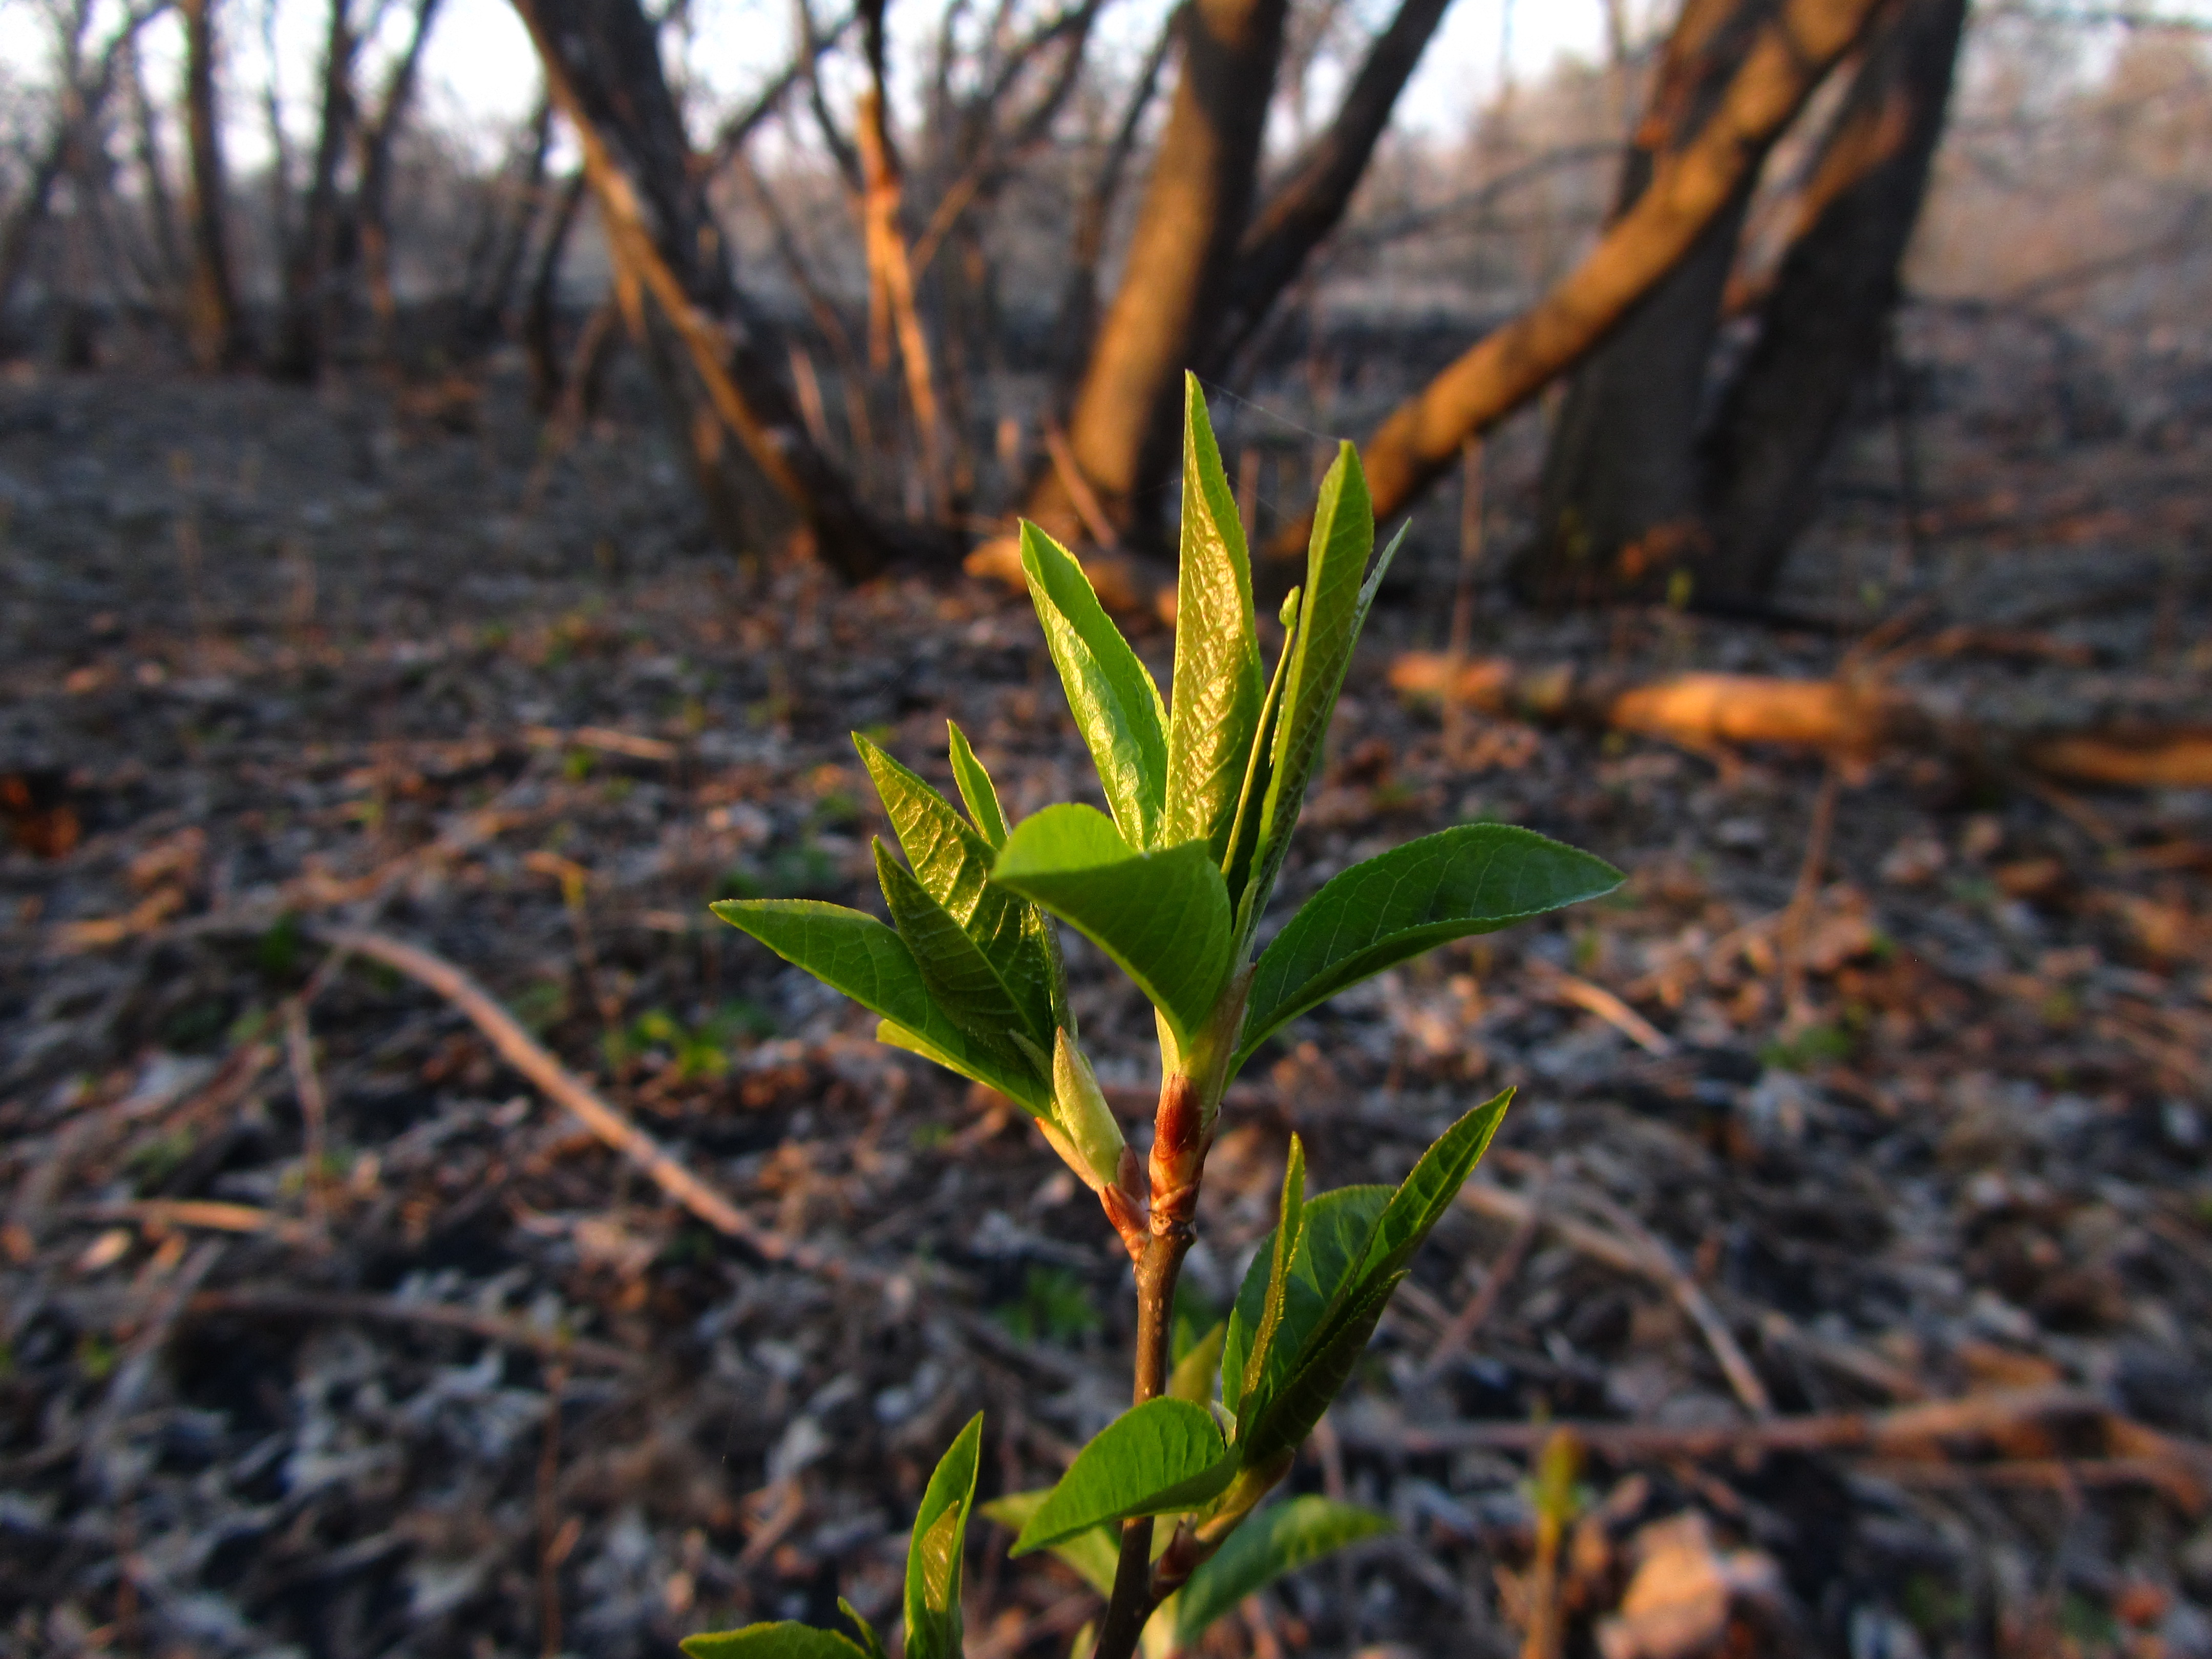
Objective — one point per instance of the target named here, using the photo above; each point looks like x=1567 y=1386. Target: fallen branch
x=563 y=1086
x=1845 y=717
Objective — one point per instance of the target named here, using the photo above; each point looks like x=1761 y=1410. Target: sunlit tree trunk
x=1822 y=324
x=1619 y=502
x=1121 y=429
x=213 y=327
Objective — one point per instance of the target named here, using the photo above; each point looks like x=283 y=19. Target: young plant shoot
x=1204 y=788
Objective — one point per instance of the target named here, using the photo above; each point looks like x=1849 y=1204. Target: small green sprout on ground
x=1205 y=788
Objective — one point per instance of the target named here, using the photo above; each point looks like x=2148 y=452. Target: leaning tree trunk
x=1618 y=504
x=1122 y=428
x=1425 y=436
x=603 y=70
x=213 y=327
x=1822 y=324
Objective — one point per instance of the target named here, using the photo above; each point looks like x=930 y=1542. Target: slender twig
x=523 y=1052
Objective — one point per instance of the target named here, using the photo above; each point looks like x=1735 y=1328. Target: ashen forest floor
x=321 y=1332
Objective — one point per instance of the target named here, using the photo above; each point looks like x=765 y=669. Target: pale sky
x=480 y=75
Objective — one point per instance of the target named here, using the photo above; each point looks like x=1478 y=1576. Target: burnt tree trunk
x=1311 y=200
x=1618 y=500
x=1822 y=324
x=214 y=329
x=367 y=235
x=312 y=256
x=602 y=68
x=1122 y=428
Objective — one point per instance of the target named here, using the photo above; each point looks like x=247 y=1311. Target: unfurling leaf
x=1162 y=917
x=1276 y=1540
x=952 y=862
x=1424 y=1194
x=1213 y=709
x=852 y=952
x=932 y=1559
x=962 y=982
x=1116 y=704
x=1339 y=591
x=1080 y=1113
x=1155 y=1459
x=1474 y=879
x=977 y=792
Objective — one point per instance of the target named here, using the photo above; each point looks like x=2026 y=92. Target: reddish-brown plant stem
x=1177 y=1165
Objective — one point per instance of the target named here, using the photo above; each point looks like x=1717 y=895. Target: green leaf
x=1332 y=1243
x=1282 y=1425
x=1290 y=1233
x=871 y=1643
x=1330 y=618
x=1214 y=707
x=1474 y=879
x=1154 y=1458
x=1279 y=1539
x=933 y=1557
x=962 y=981
x=952 y=863
x=1095 y=1555
x=785 y=1640
x=1194 y=1375
x=977 y=792
x=1252 y=796
x=1163 y=917
x=1424 y=1194
x=852 y=952
x=1117 y=705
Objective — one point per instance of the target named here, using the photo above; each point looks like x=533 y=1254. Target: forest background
x=462 y=469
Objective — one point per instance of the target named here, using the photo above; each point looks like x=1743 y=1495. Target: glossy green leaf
x=1154 y=1458
x=1116 y=704
x=1332 y=1242
x=1290 y=1233
x=1214 y=703
x=962 y=981
x=952 y=862
x=1426 y=1193
x=871 y=1643
x=1252 y=796
x=933 y=1555
x=1163 y=917
x=1279 y=1539
x=855 y=953
x=1095 y=1554
x=1293 y=1408
x=1332 y=613
x=1474 y=879
x=1193 y=1376
x=785 y=1639
x=977 y=792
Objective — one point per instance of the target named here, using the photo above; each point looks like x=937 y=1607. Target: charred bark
x=1822 y=325
x=603 y=70
x=1619 y=501
x=310 y=260
x=1309 y=203
x=214 y=329
x=1122 y=429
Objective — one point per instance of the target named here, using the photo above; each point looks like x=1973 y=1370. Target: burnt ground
x=359 y=1345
